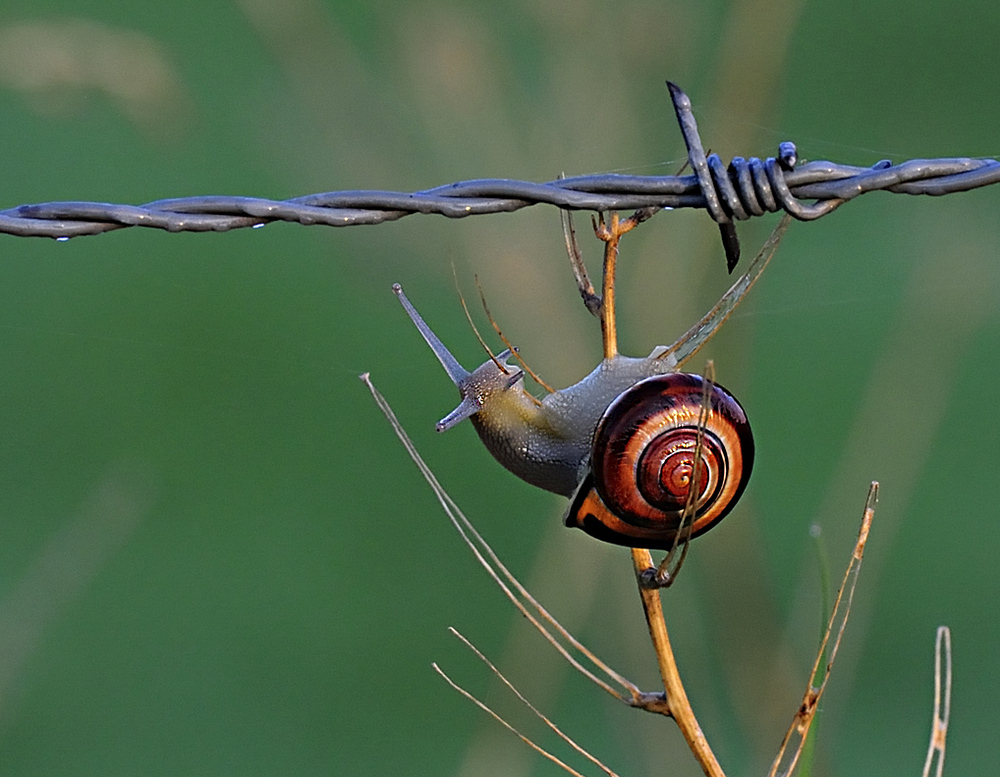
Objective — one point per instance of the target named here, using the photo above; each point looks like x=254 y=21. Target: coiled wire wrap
x=744 y=189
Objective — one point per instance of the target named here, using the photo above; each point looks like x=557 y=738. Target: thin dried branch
x=942 y=705
x=513 y=351
x=611 y=232
x=472 y=324
x=504 y=723
x=586 y=288
x=482 y=342
x=692 y=341
x=526 y=604
x=530 y=706
x=785 y=761
x=610 y=235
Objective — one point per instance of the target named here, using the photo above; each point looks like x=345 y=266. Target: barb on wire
x=741 y=190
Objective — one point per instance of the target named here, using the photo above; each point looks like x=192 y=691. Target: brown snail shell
x=642 y=461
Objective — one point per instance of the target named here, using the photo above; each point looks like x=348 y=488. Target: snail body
x=572 y=441
x=548 y=444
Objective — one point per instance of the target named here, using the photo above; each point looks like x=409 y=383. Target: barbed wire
x=741 y=190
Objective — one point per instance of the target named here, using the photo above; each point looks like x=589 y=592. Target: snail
x=620 y=443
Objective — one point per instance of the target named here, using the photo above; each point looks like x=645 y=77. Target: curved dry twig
x=526 y=604
x=489 y=711
x=785 y=761
x=541 y=716
x=942 y=703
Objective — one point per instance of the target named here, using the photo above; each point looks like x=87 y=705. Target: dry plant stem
x=486 y=348
x=504 y=723
x=587 y=292
x=677 y=700
x=785 y=761
x=510 y=686
x=699 y=334
x=611 y=233
x=472 y=324
x=510 y=347
x=522 y=600
x=942 y=709
x=677 y=704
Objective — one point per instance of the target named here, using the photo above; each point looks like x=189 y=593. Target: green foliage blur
x=216 y=559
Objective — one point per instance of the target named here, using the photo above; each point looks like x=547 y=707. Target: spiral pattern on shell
x=643 y=457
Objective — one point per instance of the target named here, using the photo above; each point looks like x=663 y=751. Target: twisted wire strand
x=744 y=189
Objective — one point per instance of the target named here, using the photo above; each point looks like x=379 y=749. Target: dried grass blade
x=486 y=557
x=504 y=723
x=513 y=351
x=799 y=729
x=692 y=340
x=531 y=706
x=583 y=282
x=942 y=708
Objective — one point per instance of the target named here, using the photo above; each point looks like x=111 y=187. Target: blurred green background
x=216 y=559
